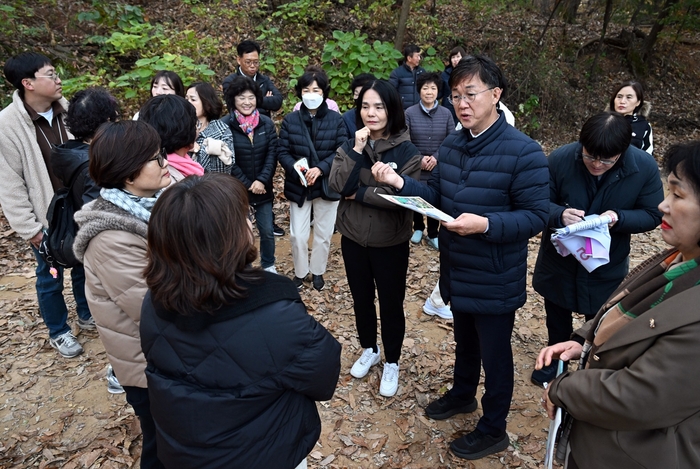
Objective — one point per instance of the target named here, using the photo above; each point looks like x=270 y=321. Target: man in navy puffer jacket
x=403 y=77
x=494 y=181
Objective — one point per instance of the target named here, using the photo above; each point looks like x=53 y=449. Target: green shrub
x=348 y=54
x=133 y=53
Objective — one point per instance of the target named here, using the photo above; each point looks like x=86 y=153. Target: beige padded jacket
x=111 y=244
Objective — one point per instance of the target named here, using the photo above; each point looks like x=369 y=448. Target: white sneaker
x=67 y=345
x=430 y=309
x=113 y=386
x=271 y=269
x=365 y=362
x=390 y=380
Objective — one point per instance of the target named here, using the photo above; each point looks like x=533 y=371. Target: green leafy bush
x=529 y=122
x=112 y=14
x=132 y=54
x=349 y=54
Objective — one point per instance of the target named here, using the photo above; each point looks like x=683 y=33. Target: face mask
x=312 y=100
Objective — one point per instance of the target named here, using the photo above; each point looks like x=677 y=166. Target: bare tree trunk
x=606 y=22
x=633 y=19
x=568 y=13
x=546 y=26
x=401 y=27
x=650 y=41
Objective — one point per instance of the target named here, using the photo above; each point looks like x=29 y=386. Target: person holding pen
x=601 y=174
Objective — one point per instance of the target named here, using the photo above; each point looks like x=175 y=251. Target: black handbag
x=327 y=193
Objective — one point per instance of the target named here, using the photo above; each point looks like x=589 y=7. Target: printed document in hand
x=301 y=167
x=588 y=241
x=417 y=204
x=553 y=429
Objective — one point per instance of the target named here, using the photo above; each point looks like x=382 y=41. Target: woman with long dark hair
x=375 y=231
x=628 y=100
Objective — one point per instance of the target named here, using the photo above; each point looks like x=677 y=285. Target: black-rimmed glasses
x=160 y=158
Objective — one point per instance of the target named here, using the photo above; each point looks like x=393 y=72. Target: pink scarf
x=185 y=165
x=248 y=123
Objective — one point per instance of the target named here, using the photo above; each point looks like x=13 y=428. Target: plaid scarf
x=655 y=280
x=140 y=207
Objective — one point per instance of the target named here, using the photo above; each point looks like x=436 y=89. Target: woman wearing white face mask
x=314 y=133
x=332 y=105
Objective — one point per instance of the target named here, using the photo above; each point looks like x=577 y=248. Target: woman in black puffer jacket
x=314 y=133
x=255 y=147
x=235 y=363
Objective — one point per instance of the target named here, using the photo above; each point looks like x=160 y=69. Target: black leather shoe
x=545 y=375
x=318 y=282
x=447 y=406
x=476 y=445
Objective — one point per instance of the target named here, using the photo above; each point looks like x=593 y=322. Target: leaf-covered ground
x=56 y=412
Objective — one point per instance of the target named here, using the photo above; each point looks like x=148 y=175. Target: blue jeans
x=49 y=293
x=264 y=218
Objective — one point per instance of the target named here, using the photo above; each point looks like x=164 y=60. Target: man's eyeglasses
x=160 y=158
x=53 y=76
x=469 y=97
x=605 y=161
x=252 y=63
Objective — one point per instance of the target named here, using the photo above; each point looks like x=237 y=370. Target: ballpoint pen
x=569 y=206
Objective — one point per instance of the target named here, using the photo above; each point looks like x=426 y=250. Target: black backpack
x=57 y=244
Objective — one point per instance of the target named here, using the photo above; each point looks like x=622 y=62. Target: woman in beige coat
x=635 y=400
x=126 y=160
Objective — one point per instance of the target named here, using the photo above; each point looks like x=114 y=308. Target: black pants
x=138 y=398
x=485 y=338
x=386 y=268
x=419 y=225
x=559 y=322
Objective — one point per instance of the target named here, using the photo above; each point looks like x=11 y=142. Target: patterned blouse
x=219 y=131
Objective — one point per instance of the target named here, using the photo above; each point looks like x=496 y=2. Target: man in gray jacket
x=29 y=127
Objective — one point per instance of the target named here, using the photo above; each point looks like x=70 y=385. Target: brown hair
x=200 y=246
x=120 y=150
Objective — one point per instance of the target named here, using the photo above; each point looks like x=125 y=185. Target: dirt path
x=56 y=412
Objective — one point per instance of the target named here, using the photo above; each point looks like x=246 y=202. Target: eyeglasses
x=468 y=98
x=251 y=213
x=605 y=161
x=54 y=76
x=160 y=158
x=252 y=63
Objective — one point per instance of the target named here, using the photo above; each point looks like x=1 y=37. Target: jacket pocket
x=497 y=257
